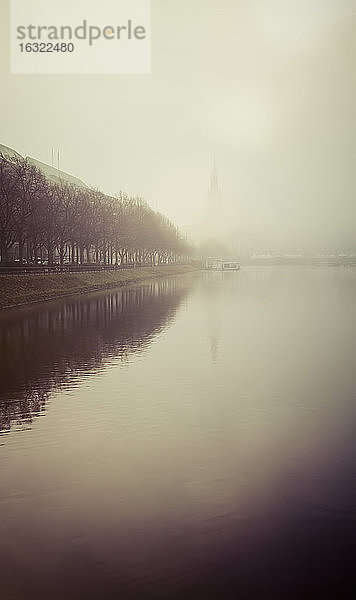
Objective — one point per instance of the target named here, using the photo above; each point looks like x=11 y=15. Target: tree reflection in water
x=45 y=348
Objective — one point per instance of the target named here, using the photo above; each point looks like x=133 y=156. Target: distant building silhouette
x=51 y=172
x=213 y=221
x=214 y=192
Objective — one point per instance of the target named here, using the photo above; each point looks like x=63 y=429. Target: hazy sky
x=268 y=86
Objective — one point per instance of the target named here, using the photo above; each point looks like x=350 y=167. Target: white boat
x=222 y=264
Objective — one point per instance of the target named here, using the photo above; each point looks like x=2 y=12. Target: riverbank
x=17 y=290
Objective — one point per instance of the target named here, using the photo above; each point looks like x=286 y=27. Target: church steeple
x=214 y=185
x=214 y=193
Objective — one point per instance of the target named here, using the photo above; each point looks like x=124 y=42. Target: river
x=190 y=437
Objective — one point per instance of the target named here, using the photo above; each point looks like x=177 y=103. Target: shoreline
x=22 y=290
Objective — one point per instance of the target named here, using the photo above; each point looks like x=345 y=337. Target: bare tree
x=58 y=221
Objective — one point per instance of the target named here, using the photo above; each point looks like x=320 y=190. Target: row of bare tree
x=42 y=220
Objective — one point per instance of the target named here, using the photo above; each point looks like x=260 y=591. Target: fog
x=267 y=88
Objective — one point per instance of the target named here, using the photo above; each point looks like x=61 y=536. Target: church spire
x=214 y=183
x=214 y=193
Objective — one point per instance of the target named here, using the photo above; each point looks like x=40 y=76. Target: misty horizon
x=266 y=90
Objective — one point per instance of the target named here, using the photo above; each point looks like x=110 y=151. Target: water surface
x=192 y=437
